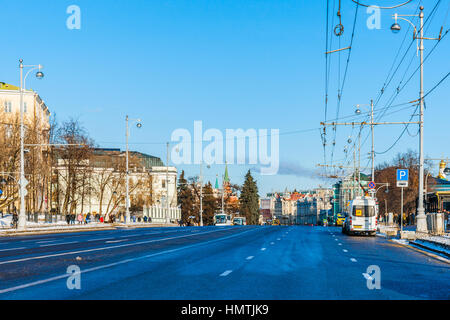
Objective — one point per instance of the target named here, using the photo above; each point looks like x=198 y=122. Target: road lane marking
x=47 y=241
x=278 y=239
x=250 y=257
x=367 y=276
x=272 y=243
x=12 y=249
x=31 y=284
x=263 y=249
x=339 y=244
x=116 y=241
x=336 y=240
x=345 y=250
x=353 y=260
x=100 y=239
x=114 y=247
x=57 y=244
x=226 y=273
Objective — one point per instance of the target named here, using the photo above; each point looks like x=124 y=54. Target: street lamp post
x=127 y=201
x=21 y=225
x=421 y=218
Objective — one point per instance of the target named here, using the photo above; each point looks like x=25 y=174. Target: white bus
x=361 y=217
x=222 y=219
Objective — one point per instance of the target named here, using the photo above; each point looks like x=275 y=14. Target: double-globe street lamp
x=421 y=218
x=127 y=201
x=23 y=182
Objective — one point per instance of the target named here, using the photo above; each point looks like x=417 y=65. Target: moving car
x=340 y=219
x=222 y=219
x=361 y=217
x=239 y=221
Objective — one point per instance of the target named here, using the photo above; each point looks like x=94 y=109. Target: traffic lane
x=122 y=278
x=194 y=273
x=15 y=272
x=310 y=264
x=73 y=242
x=78 y=235
x=404 y=272
x=302 y=265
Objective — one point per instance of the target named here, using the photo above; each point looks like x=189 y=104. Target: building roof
x=6 y=86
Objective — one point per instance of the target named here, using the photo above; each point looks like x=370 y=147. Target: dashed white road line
x=100 y=239
x=367 y=276
x=278 y=239
x=226 y=273
x=250 y=257
x=263 y=249
x=272 y=243
x=345 y=250
x=339 y=244
x=353 y=260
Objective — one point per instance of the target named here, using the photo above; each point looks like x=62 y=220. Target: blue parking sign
x=402 y=178
x=402 y=175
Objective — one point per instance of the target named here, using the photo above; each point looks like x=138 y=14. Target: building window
x=8 y=107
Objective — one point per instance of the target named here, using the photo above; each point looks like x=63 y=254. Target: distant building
x=100 y=186
x=314 y=207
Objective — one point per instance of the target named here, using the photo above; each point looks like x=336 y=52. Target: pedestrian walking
x=68 y=218
x=80 y=218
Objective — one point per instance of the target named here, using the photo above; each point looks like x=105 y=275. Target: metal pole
x=167 y=187
x=359 y=159
x=223 y=194
x=401 y=214
x=22 y=218
x=421 y=218
x=201 y=194
x=127 y=209
x=373 y=141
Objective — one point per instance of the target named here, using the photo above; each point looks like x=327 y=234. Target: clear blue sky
x=232 y=64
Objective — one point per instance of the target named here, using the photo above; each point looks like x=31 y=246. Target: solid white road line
x=12 y=249
x=110 y=247
x=100 y=239
x=31 y=284
x=57 y=244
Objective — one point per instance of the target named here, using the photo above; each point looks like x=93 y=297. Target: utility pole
x=372 y=124
x=127 y=199
x=223 y=194
x=167 y=187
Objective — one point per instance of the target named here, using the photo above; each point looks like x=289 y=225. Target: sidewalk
x=436 y=244
x=42 y=227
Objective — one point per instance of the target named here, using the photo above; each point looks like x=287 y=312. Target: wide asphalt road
x=244 y=263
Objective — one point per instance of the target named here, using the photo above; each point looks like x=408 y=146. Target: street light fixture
x=421 y=218
x=127 y=201
x=21 y=225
